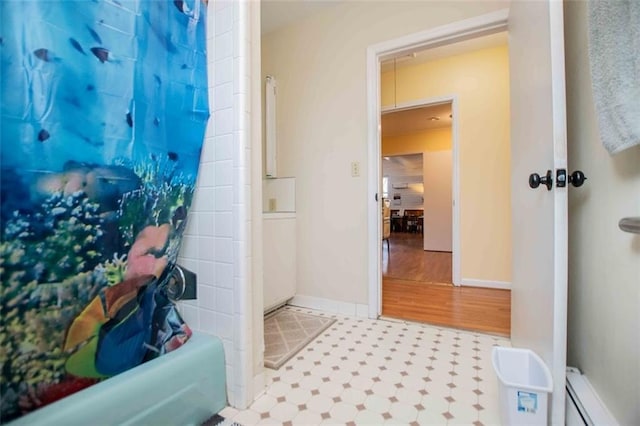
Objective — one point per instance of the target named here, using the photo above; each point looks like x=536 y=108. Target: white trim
x=374 y=172
x=587 y=400
x=470 y=282
x=278 y=215
x=456 y=253
x=330 y=306
x=256 y=235
x=259 y=385
x=242 y=320
x=560 y=212
x=438 y=100
x=457 y=31
x=466 y=29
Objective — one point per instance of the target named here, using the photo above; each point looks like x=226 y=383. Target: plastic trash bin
x=524 y=386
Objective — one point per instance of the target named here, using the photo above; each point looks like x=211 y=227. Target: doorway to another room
x=417 y=179
x=421 y=148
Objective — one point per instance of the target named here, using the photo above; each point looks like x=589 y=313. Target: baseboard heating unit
x=584 y=407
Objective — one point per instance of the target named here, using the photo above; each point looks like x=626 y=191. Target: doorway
x=417 y=182
x=408 y=256
x=456 y=77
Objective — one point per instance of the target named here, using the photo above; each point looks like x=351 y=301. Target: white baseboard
x=470 y=282
x=583 y=400
x=331 y=306
x=259 y=385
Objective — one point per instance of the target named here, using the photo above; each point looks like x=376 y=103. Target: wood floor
x=423 y=295
x=406 y=259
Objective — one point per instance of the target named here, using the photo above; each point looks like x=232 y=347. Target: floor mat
x=287 y=331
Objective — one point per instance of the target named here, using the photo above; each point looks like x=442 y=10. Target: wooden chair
x=412 y=219
x=396 y=221
x=412 y=223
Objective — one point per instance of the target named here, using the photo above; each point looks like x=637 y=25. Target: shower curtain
x=103 y=114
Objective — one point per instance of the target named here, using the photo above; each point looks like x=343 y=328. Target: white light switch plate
x=355 y=169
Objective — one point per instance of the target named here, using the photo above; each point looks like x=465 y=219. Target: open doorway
x=419 y=190
x=449 y=282
x=406 y=258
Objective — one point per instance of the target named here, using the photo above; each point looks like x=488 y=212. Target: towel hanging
x=614 y=48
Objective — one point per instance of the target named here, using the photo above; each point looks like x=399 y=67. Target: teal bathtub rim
x=183 y=387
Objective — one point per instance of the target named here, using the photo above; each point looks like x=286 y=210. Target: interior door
x=538 y=140
x=437 y=222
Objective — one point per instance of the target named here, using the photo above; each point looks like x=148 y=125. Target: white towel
x=614 y=53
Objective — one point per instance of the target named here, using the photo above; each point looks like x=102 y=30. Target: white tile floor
x=362 y=371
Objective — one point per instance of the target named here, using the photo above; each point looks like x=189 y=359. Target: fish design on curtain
x=103 y=114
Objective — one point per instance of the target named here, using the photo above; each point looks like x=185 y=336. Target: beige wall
x=415 y=143
x=480 y=81
x=320 y=64
x=604 y=262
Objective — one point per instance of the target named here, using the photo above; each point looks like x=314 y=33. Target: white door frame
x=458 y=31
x=455 y=172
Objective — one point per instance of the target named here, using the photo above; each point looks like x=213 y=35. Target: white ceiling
x=416 y=120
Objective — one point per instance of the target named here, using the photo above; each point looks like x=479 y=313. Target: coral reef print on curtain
x=104 y=108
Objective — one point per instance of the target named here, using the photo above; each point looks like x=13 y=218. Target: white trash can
x=524 y=386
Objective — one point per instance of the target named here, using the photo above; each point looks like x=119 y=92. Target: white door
x=437 y=222
x=539 y=216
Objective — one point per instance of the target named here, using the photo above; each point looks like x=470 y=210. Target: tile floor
x=362 y=371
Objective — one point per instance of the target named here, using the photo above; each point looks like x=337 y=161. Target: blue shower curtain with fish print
x=103 y=113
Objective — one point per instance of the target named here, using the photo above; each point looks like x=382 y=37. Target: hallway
x=416 y=286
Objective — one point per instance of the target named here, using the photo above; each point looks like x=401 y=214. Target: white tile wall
x=216 y=245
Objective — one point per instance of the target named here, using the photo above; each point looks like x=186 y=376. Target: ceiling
x=416 y=120
x=276 y=14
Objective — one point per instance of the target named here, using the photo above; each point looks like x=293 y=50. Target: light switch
x=355 y=169
x=272 y=204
